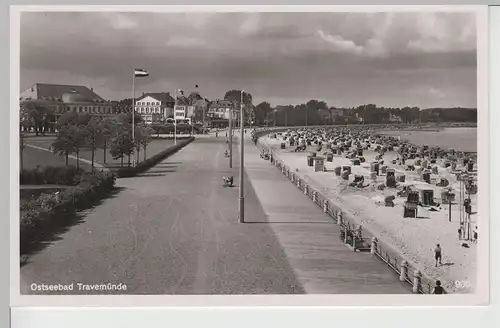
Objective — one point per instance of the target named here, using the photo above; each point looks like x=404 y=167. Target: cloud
x=186 y=42
x=339 y=44
x=120 y=21
x=349 y=58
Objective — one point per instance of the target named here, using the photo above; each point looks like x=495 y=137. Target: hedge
x=169 y=137
x=41 y=214
x=59 y=175
x=126 y=172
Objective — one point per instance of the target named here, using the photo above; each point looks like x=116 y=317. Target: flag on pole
x=139 y=72
x=181 y=92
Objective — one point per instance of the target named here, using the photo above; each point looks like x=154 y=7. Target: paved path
x=172 y=230
x=322 y=263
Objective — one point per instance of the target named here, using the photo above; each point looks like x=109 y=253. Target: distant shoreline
x=448 y=137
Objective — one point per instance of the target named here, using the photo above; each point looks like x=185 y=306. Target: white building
x=221 y=109
x=181 y=114
x=155 y=107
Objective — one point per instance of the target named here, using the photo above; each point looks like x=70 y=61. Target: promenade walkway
x=322 y=263
x=172 y=230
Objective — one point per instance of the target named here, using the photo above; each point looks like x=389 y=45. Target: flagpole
x=242 y=162
x=133 y=118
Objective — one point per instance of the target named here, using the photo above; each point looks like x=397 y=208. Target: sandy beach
x=413 y=238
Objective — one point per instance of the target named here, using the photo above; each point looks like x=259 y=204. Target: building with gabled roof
x=155 y=107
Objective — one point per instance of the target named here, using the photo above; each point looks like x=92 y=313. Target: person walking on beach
x=438 y=255
x=474 y=235
x=460 y=233
x=438 y=289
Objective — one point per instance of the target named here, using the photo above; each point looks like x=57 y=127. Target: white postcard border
x=481 y=297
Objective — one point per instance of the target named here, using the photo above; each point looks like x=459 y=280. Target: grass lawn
x=34 y=157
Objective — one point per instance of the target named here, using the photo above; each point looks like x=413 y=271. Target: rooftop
x=161 y=96
x=46 y=91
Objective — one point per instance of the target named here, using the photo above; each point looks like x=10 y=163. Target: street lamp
x=230 y=137
x=242 y=141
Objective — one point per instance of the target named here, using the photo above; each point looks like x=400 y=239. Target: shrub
x=41 y=213
x=60 y=175
x=153 y=160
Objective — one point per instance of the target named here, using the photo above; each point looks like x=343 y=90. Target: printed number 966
x=462 y=284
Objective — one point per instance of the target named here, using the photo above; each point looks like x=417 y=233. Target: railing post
x=340 y=217
x=345 y=234
x=305 y=189
x=325 y=206
x=57 y=197
x=416 y=281
x=298 y=183
x=354 y=242
x=315 y=196
x=404 y=268
x=373 y=248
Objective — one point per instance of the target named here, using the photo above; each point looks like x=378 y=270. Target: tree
x=312 y=108
x=63 y=144
x=143 y=139
x=22 y=145
x=41 y=116
x=126 y=118
x=25 y=120
x=262 y=112
x=72 y=118
x=109 y=126
x=121 y=144
x=235 y=97
x=77 y=134
x=94 y=135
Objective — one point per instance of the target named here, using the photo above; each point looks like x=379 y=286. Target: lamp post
x=230 y=137
x=137 y=73
x=133 y=120
x=242 y=141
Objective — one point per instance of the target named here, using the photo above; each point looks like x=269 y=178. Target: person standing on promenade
x=438 y=289
x=438 y=254
x=460 y=233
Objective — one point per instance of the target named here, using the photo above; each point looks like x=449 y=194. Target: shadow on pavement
x=61 y=223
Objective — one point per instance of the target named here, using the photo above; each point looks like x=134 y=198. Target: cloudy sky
x=345 y=59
